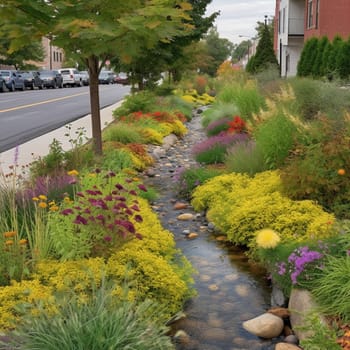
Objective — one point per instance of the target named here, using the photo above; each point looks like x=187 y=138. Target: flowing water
x=230 y=289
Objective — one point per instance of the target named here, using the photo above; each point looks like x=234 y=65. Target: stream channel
x=230 y=289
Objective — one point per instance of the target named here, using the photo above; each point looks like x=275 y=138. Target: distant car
x=85 y=77
x=106 y=77
x=13 y=79
x=52 y=78
x=71 y=77
x=32 y=80
x=122 y=78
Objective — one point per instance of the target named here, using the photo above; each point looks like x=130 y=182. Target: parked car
x=85 y=77
x=3 y=86
x=52 y=78
x=71 y=77
x=122 y=78
x=13 y=79
x=32 y=80
x=106 y=77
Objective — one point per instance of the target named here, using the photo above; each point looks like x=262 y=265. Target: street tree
x=33 y=51
x=94 y=31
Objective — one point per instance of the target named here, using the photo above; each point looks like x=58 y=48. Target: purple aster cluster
x=223 y=139
x=299 y=261
x=217 y=126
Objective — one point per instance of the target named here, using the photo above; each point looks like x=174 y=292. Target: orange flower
x=341 y=172
x=35 y=199
x=23 y=241
x=73 y=172
x=42 y=205
x=54 y=208
x=9 y=234
x=43 y=197
x=9 y=242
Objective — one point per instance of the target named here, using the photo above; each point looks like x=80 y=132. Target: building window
x=279 y=21
x=283 y=20
x=309 y=14
x=60 y=56
x=317 y=13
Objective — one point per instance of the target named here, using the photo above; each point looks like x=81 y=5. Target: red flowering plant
x=102 y=222
x=237 y=125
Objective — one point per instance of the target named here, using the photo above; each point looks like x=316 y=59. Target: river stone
x=179 y=206
x=265 y=326
x=182 y=337
x=185 y=217
x=277 y=297
x=192 y=235
x=279 y=311
x=301 y=303
x=291 y=339
x=286 y=346
x=213 y=287
x=242 y=290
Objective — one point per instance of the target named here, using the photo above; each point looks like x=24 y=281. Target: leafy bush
x=319 y=170
x=100 y=322
x=124 y=133
x=245 y=157
x=143 y=101
x=117 y=159
x=213 y=150
x=256 y=204
x=275 y=139
x=314 y=97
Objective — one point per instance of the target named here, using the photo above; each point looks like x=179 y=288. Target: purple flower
x=135 y=207
x=142 y=187
x=67 y=211
x=119 y=187
x=80 y=194
x=80 y=220
x=107 y=238
x=138 y=218
x=281 y=268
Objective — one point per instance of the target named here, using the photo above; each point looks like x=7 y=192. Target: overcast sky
x=239 y=17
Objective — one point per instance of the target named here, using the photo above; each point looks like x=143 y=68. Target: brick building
x=296 y=21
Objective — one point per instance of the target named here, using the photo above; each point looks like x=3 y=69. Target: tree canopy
x=93 y=31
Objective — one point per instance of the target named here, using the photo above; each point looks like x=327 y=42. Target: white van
x=71 y=77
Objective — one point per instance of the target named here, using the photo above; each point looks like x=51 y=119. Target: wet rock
x=211 y=226
x=179 y=206
x=292 y=339
x=216 y=334
x=192 y=235
x=186 y=232
x=242 y=290
x=182 y=337
x=277 y=297
x=279 y=311
x=287 y=330
x=213 y=287
x=185 y=217
x=300 y=304
x=221 y=238
x=286 y=346
x=205 y=278
x=265 y=326
x=231 y=277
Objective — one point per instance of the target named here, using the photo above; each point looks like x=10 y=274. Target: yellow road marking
x=41 y=103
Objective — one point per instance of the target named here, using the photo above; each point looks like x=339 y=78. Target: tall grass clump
x=245 y=158
x=275 y=138
x=123 y=133
x=247 y=98
x=217 y=112
x=100 y=322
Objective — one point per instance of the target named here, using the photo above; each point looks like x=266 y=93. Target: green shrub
x=275 y=138
x=218 y=111
x=313 y=172
x=117 y=160
x=245 y=158
x=101 y=322
x=143 y=101
x=124 y=133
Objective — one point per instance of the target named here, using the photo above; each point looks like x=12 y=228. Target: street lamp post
x=248 y=41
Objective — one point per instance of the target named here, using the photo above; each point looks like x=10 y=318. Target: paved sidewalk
x=39 y=147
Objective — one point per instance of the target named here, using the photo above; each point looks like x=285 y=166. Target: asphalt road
x=29 y=114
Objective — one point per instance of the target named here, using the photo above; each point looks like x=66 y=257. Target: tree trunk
x=93 y=66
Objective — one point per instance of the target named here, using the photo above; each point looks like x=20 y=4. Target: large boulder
x=265 y=326
x=301 y=303
x=285 y=346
